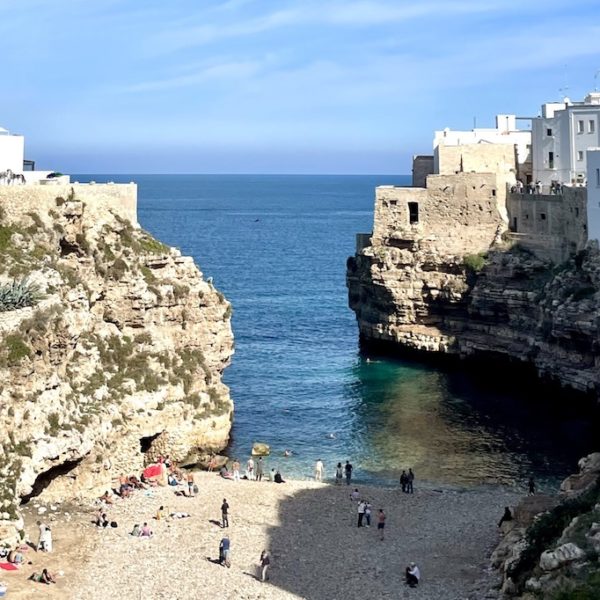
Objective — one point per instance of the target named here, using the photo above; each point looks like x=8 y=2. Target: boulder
x=553 y=559
x=260 y=449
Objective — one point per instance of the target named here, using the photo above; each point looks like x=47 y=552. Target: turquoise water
x=276 y=246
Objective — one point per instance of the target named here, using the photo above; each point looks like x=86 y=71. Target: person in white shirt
x=413 y=575
x=250 y=468
x=361 y=512
x=319 y=470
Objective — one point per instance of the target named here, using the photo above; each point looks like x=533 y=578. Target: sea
x=276 y=246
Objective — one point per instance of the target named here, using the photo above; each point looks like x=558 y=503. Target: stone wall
x=457 y=213
x=554 y=227
x=100 y=199
x=422 y=167
x=477 y=158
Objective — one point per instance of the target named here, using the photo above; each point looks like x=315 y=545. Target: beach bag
x=113 y=524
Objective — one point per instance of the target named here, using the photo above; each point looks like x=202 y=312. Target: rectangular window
x=580 y=127
x=598 y=177
x=579 y=154
x=393 y=202
x=592 y=126
x=549 y=132
x=543 y=216
x=551 y=160
x=413 y=213
x=576 y=212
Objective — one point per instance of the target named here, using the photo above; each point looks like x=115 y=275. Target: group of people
x=340 y=472
x=536 y=188
x=254 y=471
x=406 y=481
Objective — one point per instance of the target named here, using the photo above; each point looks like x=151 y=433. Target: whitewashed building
x=561 y=137
x=12 y=151
x=593 y=193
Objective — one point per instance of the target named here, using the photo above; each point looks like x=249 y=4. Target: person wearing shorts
x=381 y=523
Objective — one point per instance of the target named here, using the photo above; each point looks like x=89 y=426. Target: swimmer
x=330 y=436
x=287 y=452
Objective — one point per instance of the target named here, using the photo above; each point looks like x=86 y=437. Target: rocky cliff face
x=119 y=359
x=550 y=549
x=410 y=294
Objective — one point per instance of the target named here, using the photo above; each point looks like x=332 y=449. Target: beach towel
x=153 y=471
x=9 y=567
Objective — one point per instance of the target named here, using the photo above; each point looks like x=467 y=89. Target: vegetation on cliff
x=111 y=352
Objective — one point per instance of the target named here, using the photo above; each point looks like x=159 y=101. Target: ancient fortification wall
x=100 y=199
x=554 y=227
x=458 y=213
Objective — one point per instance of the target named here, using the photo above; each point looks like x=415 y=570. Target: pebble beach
x=310 y=529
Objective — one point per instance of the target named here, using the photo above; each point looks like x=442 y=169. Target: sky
x=278 y=86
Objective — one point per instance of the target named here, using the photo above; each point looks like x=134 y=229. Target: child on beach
x=381 y=523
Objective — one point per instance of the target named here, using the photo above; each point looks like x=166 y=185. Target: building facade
x=561 y=138
x=12 y=151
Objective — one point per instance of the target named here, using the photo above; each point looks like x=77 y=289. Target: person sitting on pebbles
x=15 y=557
x=146 y=531
x=106 y=498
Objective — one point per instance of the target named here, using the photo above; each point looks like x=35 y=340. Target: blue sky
x=258 y=86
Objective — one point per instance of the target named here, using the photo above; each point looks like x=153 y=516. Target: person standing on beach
x=265 y=561
x=531 y=485
x=224 y=552
x=381 y=523
x=190 y=482
x=361 y=512
x=403 y=481
x=225 y=513
x=348 y=470
x=368 y=509
x=409 y=481
x=319 y=470
x=250 y=468
x=339 y=473
x=236 y=469
x=259 y=469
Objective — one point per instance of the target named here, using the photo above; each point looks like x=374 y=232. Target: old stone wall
x=554 y=227
x=422 y=167
x=477 y=158
x=457 y=213
x=100 y=199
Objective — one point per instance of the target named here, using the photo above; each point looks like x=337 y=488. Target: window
x=579 y=126
x=579 y=154
x=597 y=177
x=576 y=212
x=549 y=132
x=592 y=126
x=543 y=216
x=393 y=202
x=551 y=160
x=413 y=213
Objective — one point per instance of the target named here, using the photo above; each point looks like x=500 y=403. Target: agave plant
x=18 y=294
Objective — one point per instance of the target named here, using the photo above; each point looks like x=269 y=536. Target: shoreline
x=309 y=527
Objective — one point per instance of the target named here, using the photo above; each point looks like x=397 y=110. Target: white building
x=593 y=193
x=505 y=133
x=561 y=138
x=12 y=161
x=12 y=151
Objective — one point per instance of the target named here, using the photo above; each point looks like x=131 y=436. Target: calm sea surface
x=276 y=246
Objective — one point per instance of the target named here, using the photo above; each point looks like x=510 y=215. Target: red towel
x=153 y=471
x=9 y=567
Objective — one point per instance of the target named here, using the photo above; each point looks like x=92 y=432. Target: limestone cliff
x=118 y=360
x=414 y=292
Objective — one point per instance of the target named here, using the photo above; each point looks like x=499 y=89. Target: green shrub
x=15 y=349
x=475 y=262
x=18 y=294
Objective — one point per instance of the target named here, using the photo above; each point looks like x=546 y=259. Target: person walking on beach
x=368 y=509
x=235 y=467
x=190 y=482
x=225 y=513
x=381 y=523
x=361 y=512
x=339 y=473
x=348 y=470
x=259 y=468
x=224 y=552
x=319 y=470
x=265 y=561
x=409 y=481
x=531 y=486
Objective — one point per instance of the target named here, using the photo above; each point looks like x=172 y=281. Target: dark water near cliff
x=277 y=247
